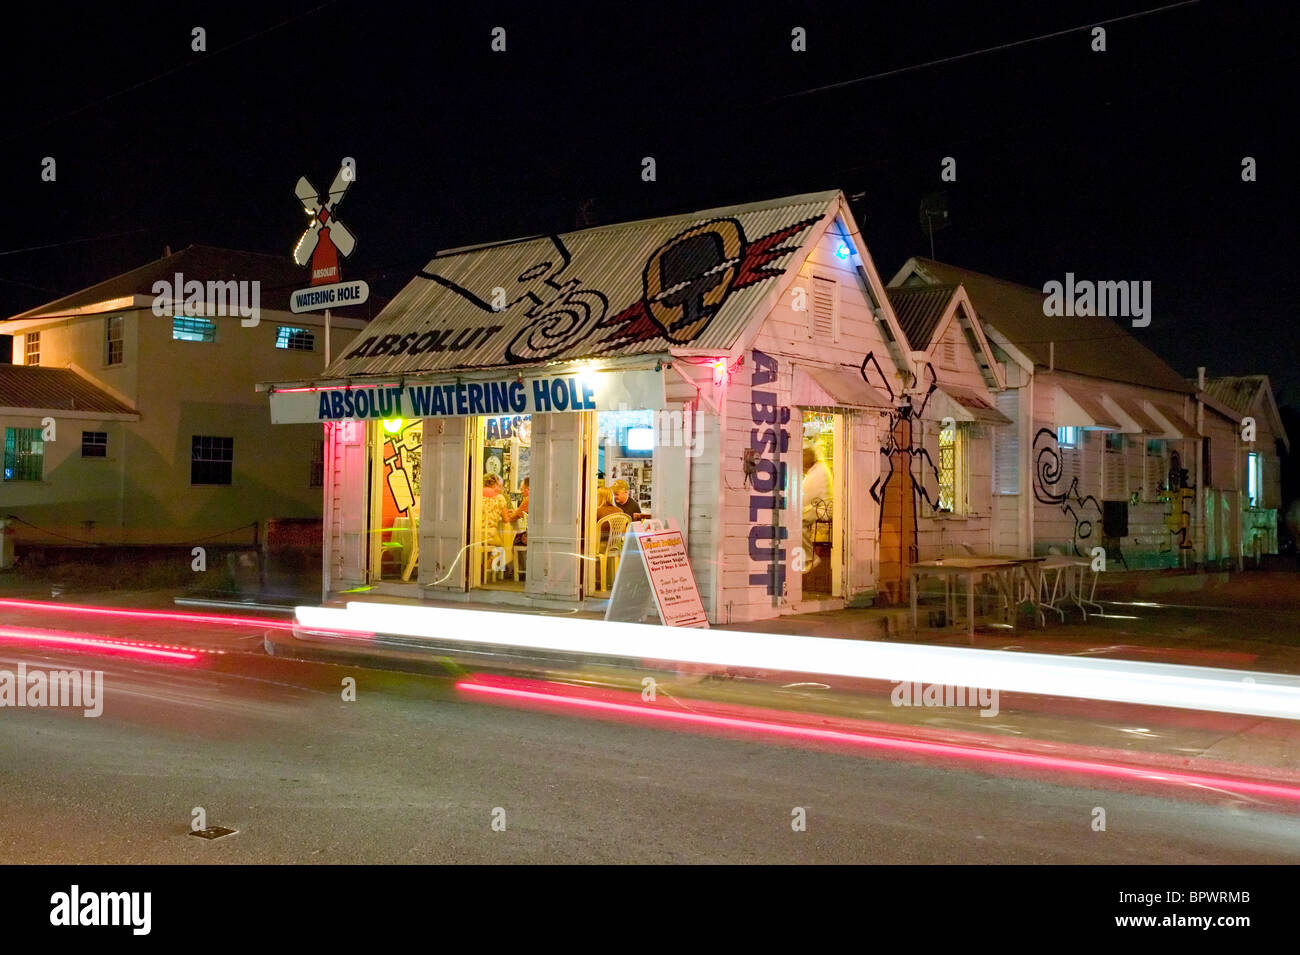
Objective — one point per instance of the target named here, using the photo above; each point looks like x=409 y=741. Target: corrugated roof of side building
x=1094 y=346
x=57 y=389
x=610 y=290
x=1238 y=393
x=918 y=309
x=279 y=276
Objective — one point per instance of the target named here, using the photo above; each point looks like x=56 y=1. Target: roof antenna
x=934 y=215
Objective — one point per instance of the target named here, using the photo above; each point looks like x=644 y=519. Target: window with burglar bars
x=193 y=329
x=295 y=339
x=32 y=349
x=949 y=470
x=211 y=459
x=24 y=454
x=94 y=444
x=113 y=347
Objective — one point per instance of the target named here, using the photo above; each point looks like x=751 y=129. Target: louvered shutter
x=1006 y=453
x=824 y=317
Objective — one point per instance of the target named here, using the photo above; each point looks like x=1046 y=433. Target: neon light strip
x=287 y=391
x=161 y=615
x=911 y=747
x=64 y=638
x=1121 y=681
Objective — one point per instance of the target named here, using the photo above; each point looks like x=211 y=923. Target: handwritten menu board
x=654 y=578
x=671 y=579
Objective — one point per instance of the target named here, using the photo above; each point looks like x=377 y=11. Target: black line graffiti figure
x=561 y=311
x=902 y=413
x=1049 y=469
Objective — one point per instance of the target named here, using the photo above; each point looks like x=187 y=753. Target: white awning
x=1175 y=424
x=1076 y=408
x=1133 y=415
x=816 y=387
x=964 y=404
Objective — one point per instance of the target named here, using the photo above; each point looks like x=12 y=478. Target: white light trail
x=1122 y=681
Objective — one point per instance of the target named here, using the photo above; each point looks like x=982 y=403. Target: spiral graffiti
x=1049 y=470
x=558 y=324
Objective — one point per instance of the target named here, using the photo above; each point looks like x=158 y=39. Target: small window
x=94 y=444
x=211 y=459
x=952 y=453
x=193 y=329
x=294 y=339
x=113 y=348
x=824 y=316
x=24 y=454
x=32 y=349
x=1067 y=436
x=1114 y=442
x=317 y=477
x=1254 y=479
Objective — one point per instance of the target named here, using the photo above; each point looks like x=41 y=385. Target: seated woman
x=495 y=512
x=604 y=507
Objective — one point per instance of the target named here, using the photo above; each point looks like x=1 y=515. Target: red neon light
x=63 y=638
x=906 y=746
x=285 y=391
x=208 y=618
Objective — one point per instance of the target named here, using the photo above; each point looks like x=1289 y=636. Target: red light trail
x=517 y=690
x=76 y=641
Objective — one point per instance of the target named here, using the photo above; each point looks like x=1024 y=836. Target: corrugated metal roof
x=918 y=309
x=1238 y=393
x=1094 y=346
x=205 y=263
x=58 y=389
x=627 y=289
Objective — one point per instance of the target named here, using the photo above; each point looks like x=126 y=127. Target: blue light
x=843 y=252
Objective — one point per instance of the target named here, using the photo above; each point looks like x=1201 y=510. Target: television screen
x=640 y=438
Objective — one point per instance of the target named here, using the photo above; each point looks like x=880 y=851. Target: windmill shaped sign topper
x=321 y=245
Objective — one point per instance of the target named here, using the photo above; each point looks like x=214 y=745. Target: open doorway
x=822 y=497
x=396 y=449
x=499 y=501
x=621 y=454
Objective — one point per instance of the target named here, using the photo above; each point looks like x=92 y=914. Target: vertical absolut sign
x=769 y=439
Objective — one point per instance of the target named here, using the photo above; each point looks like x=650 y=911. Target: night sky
x=1117 y=165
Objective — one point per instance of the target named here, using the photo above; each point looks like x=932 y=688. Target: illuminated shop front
x=421 y=498
x=494 y=433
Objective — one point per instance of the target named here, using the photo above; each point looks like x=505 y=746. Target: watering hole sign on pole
x=321 y=245
x=654 y=578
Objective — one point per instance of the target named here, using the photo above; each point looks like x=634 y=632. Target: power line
x=988 y=49
x=91 y=238
x=166 y=73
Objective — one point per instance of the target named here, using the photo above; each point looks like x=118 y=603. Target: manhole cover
x=213 y=832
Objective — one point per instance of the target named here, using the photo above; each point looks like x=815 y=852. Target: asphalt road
x=413 y=770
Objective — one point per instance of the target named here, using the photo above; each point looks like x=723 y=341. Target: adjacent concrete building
x=125 y=426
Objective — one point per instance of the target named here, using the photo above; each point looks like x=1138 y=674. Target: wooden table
x=1006 y=573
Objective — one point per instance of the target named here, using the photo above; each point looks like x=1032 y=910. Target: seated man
x=624 y=501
